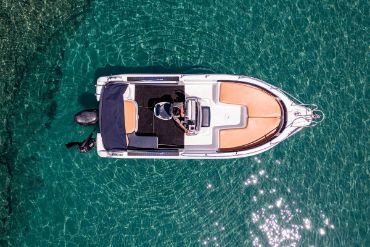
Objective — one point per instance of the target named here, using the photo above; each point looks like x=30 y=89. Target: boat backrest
x=131 y=115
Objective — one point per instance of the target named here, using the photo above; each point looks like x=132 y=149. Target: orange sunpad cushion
x=264 y=114
x=130 y=116
x=256 y=129
x=259 y=103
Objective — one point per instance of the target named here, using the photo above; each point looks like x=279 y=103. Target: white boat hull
x=297 y=116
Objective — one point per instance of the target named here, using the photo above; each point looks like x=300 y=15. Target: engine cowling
x=87 y=117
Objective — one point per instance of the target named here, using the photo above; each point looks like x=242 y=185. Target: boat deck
x=168 y=132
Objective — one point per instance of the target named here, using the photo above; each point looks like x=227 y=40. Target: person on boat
x=178 y=116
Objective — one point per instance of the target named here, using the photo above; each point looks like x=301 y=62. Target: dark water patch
x=57 y=70
x=53 y=84
x=6 y=174
x=20 y=47
x=51 y=109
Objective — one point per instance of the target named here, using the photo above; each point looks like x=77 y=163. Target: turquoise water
x=312 y=190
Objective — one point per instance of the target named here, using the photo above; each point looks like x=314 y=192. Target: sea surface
x=311 y=190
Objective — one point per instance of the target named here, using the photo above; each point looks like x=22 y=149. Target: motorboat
x=195 y=116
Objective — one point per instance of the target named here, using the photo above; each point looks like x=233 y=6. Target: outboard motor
x=87 y=117
x=85 y=145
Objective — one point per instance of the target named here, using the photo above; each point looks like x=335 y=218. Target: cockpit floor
x=168 y=132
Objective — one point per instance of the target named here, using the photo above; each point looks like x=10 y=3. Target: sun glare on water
x=276 y=219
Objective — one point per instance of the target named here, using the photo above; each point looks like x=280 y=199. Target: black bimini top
x=112 y=122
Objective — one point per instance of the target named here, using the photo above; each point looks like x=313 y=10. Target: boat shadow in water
x=116 y=70
x=88 y=100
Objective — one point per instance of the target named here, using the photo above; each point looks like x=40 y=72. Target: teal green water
x=312 y=190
